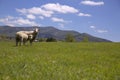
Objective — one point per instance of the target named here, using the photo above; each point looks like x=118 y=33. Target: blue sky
x=99 y=18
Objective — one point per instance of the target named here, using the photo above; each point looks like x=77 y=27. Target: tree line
x=68 y=38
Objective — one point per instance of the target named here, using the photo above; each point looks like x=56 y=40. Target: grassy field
x=60 y=61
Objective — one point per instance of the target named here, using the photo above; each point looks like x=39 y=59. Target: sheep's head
x=36 y=30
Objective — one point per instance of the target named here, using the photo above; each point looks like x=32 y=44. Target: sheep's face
x=36 y=30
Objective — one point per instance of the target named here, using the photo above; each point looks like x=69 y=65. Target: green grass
x=60 y=61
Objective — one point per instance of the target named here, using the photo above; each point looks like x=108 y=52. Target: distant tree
x=69 y=38
x=3 y=36
x=85 y=39
x=51 y=39
x=42 y=39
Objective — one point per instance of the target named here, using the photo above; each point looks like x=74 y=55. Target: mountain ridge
x=50 y=31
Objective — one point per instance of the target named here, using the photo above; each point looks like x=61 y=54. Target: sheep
x=31 y=32
x=21 y=37
x=24 y=36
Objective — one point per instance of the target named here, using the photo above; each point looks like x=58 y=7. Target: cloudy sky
x=99 y=18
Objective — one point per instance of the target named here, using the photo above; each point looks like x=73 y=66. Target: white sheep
x=31 y=32
x=24 y=36
x=21 y=37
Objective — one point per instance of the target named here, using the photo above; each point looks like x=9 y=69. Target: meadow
x=60 y=61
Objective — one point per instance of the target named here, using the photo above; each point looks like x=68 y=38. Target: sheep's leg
x=24 y=41
x=21 y=41
x=30 y=42
x=17 y=41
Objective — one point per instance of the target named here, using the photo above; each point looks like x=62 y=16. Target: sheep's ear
x=38 y=29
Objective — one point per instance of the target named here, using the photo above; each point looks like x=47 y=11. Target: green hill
x=60 y=61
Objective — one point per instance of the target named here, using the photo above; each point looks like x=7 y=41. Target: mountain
x=46 y=32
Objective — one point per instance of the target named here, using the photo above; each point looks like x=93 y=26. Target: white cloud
x=101 y=31
x=93 y=27
x=39 y=11
x=22 y=21
x=23 y=11
x=17 y=21
x=10 y=17
x=11 y=25
x=98 y=30
x=83 y=14
x=41 y=17
x=92 y=3
x=54 y=19
x=35 y=11
x=3 y=20
x=59 y=8
x=47 y=10
x=30 y=16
